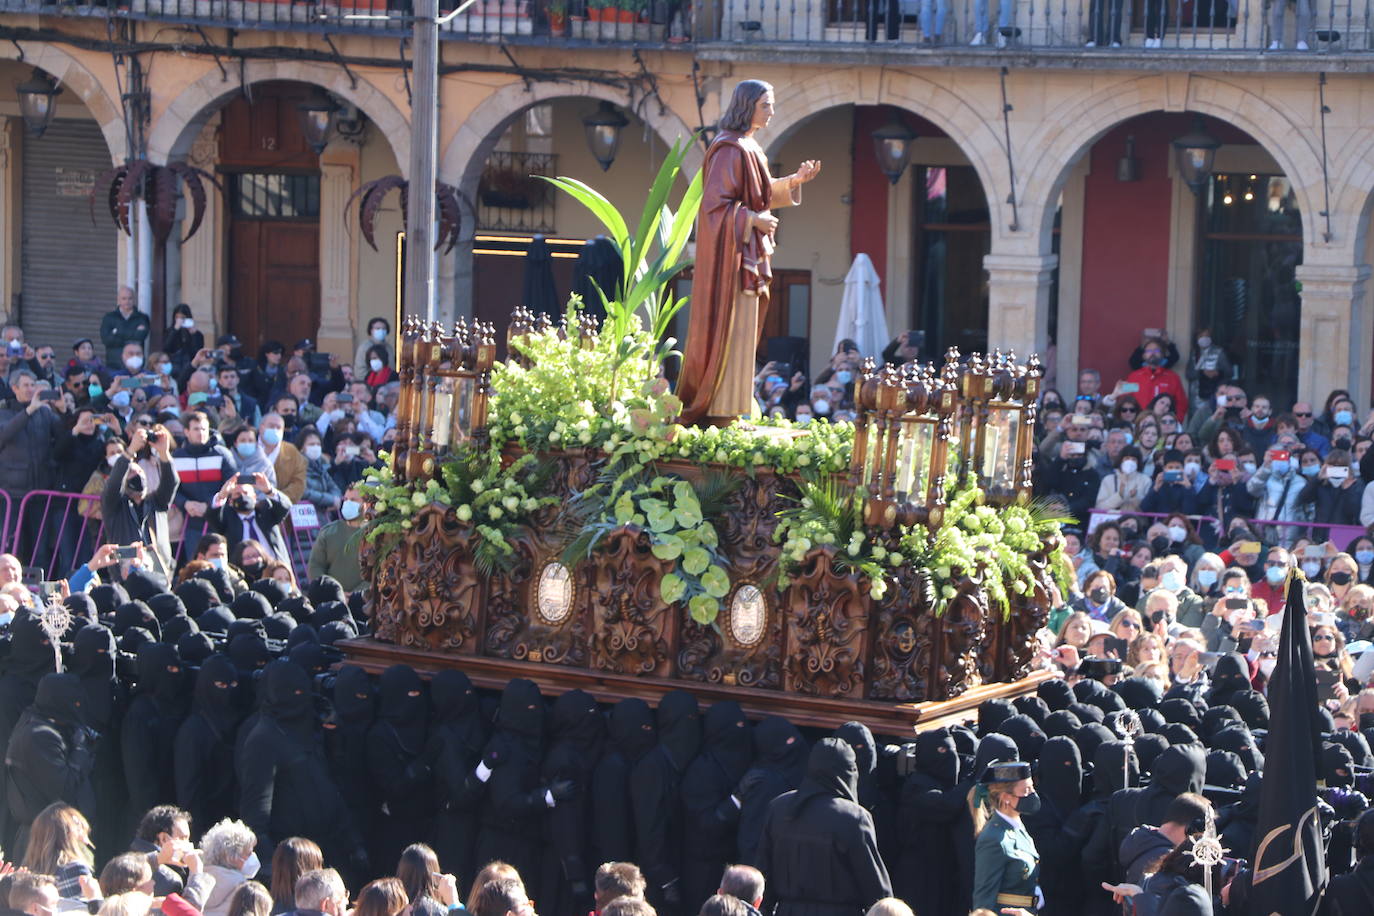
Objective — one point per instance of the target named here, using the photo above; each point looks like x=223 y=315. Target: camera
x=318 y=363
x=1099 y=668
x=126 y=553
x=1158 y=617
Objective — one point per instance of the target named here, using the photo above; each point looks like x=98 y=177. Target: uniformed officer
x=1006 y=865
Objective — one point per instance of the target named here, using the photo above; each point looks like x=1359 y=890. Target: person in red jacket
x=1155 y=380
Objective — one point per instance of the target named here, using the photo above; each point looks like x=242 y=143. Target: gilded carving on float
x=554 y=595
x=748 y=616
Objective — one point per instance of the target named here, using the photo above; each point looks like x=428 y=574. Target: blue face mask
x=214 y=383
x=1206 y=577
x=1281 y=467
x=1364 y=557
x=164 y=368
x=1275 y=574
x=350 y=509
x=120 y=399
x=1311 y=470
x=1344 y=418
x=246 y=449
x=844 y=376
x=271 y=435
x=94 y=389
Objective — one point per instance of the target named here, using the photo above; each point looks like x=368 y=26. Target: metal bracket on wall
x=339 y=59
x=1326 y=178
x=1011 y=167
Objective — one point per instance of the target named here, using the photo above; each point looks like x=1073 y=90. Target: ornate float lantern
x=996 y=434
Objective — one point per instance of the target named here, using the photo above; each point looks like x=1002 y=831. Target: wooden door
x=274 y=281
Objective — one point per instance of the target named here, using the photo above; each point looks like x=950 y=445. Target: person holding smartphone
x=132 y=512
x=1335 y=493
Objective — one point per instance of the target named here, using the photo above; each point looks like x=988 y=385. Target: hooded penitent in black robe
x=656 y=798
x=285 y=787
x=632 y=735
x=779 y=765
x=818 y=847
x=205 y=746
x=1114 y=767
x=30 y=657
x=932 y=801
x=1059 y=780
x=457 y=735
x=398 y=764
x=148 y=734
x=513 y=816
x=710 y=813
x=49 y=757
x=879 y=797
x=104 y=701
x=345 y=743
x=576 y=734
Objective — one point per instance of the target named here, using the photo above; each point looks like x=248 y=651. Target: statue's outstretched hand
x=808 y=170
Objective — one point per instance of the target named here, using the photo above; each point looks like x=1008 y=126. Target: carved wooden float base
x=883 y=717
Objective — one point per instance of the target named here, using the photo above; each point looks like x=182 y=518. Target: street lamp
x=318 y=115
x=1195 y=154
x=38 y=101
x=603 y=128
x=892 y=144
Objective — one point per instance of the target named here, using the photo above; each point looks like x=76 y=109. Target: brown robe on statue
x=731 y=268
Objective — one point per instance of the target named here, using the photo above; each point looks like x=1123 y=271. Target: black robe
x=457 y=735
x=104 y=702
x=49 y=756
x=710 y=814
x=779 y=764
x=398 y=765
x=656 y=798
x=933 y=800
x=149 y=731
x=632 y=735
x=1059 y=780
x=285 y=787
x=1114 y=767
x=345 y=742
x=818 y=847
x=576 y=734
x=204 y=753
x=30 y=657
x=513 y=816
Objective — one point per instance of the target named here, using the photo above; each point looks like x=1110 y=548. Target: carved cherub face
x=904 y=637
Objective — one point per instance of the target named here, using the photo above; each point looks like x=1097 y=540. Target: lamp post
x=1195 y=153
x=38 y=101
x=603 y=128
x=424 y=153
x=892 y=144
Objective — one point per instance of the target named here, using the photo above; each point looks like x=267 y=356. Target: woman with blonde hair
x=492 y=871
x=1076 y=630
x=60 y=845
x=1354 y=611
x=1006 y=864
x=1145 y=649
x=1126 y=625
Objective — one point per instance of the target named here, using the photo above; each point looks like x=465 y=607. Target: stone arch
x=463 y=158
x=957 y=116
x=1068 y=132
x=177 y=127
x=73 y=75
x=1352 y=187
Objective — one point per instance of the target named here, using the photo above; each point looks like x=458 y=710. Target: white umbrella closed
x=862 y=318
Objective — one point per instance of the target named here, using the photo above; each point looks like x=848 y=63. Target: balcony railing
x=1095 y=27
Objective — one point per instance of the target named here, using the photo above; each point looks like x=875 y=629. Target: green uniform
x=336 y=553
x=1006 y=867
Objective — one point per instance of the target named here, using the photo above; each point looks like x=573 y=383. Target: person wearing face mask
x=1006 y=870
x=338 y=544
x=133 y=511
x=1278 y=484
x=288 y=464
x=1071 y=475
x=378 y=332
x=1333 y=493
x=1154 y=379
x=182 y=341
x=1208 y=368
x=229 y=858
x=1362 y=550
x=1269 y=592
x=1125 y=488
x=256 y=511
x=379 y=372
x=321 y=489
x=250 y=456
x=1171 y=491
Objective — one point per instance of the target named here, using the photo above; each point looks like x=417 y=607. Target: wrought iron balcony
x=1110 y=33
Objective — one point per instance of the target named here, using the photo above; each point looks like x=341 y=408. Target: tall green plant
x=651 y=255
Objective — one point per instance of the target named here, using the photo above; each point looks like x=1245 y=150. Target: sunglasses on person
x=1129 y=624
x=1130 y=410
x=1324 y=637
x=1302 y=414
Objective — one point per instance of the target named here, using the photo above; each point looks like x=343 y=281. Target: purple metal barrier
x=50 y=526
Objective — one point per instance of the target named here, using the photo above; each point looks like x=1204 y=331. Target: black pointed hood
x=1115 y=767
x=402 y=705
x=61 y=698
x=779 y=746
x=355 y=705
x=679 y=727
x=286 y=699
x=632 y=728
x=831 y=772
x=31 y=651
x=860 y=740
x=576 y=720
x=522 y=712
x=215 y=686
x=726 y=737
x=1056 y=693
x=161 y=676
x=1059 y=775
x=1028 y=736
x=937 y=756
x=197 y=595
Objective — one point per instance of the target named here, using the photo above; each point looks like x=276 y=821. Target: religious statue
x=735 y=235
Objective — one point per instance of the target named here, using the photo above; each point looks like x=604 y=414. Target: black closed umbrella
x=598 y=266
x=540 y=295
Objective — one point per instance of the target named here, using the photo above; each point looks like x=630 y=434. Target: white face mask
x=821 y=407
x=251 y=865
x=379 y=334
x=313 y=451
x=1266 y=666
x=1129 y=466
x=1311 y=568
x=111 y=459
x=1177 y=533
x=134 y=363
x=187 y=324
x=375 y=364
x=1191 y=468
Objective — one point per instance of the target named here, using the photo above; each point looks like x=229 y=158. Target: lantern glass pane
x=462 y=409
x=443 y=409
x=913 y=461
x=999 y=448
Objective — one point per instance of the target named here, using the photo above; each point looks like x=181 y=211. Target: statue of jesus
x=735 y=235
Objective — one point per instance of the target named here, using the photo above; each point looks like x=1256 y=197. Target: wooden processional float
x=814 y=645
